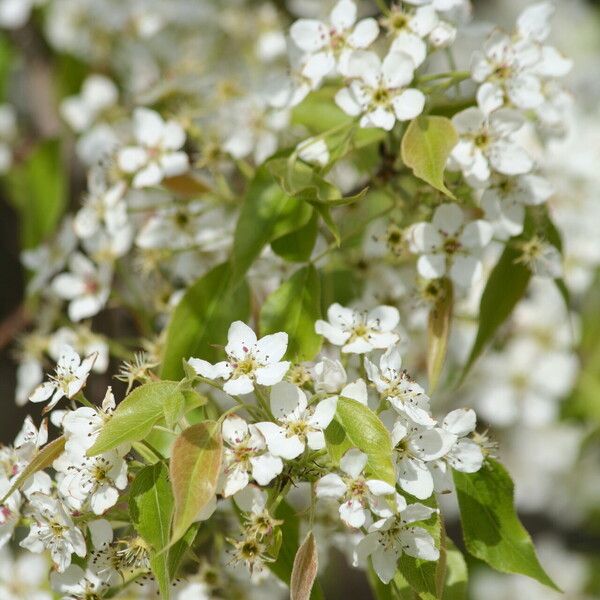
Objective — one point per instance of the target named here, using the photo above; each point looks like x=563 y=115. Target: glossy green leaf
x=506 y=285
x=37 y=187
x=294 y=307
x=134 y=418
x=151 y=510
x=425 y=148
x=304 y=571
x=267 y=213
x=457 y=575
x=366 y=432
x=298 y=245
x=202 y=317
x=41 y=460
x=194 y=469
x=492 y=530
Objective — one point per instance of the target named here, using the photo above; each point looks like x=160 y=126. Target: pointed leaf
x=294 y=308
x=425 y=148
x=440 y=319
x=195 y=466
x=202 y=317
x=491 y=528
x=305 y=568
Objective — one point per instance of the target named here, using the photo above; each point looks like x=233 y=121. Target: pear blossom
x=93 y=479
x=409 y=28
x=86 y=286
x=50 y=258
x=486 y=144
x=329 y=46
x=359 y=495
x=249 y=360
x=415 y=446
x=10 y=510
x=359 y=331
x=53 y=529
x=158 y=151
x=23 y=576
x=69 y=379
x=246 y=455
x=296 y=423
x=76 y=584
x=15 y=13
x=98 y=93
x=378 y=91
x=394 y=384
x=392 y=536
x=449 y=246
x=541 y=257
x=504 y=201
x=83 y=341
x=330 y=378
x=465 y=455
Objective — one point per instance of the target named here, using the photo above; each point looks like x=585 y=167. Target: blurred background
x=554 y=457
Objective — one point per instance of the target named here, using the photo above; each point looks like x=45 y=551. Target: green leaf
x=173 y=408
x=491 y=528
x=440 y=319
x=38 y=189
x=420 y=575
x=304 y=571
x=6 y=56
x=202 y=317
x=194 y=469
x=294 y=308
x=41 y=460
x=298 y=245
x=267 y=214
x=137 y=414
x=425 y=148
x=151 y=510
x=505 y=287
x=455 y=586
x=290 y=541
x=366 y=432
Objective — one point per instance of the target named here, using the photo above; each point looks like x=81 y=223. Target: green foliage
x=282 y=567
x=425 y=148
x=506 y=285
x=491 y=528
x=267 y=213
x=455 y=586
x=297 y=246
x=365 y=431
x=194 y=470
x=139 y=412
x=38 y=189
x=202 y=318
x=294 y=308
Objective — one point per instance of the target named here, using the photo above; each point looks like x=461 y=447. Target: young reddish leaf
x=194 y=470
x=305 y=568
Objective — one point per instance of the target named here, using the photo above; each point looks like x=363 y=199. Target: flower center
x=451 y=246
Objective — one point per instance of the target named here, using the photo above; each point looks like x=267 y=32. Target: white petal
x=148 y=126
x=397 y=70
x=240 y=340
x=466 y=270
x=271 y=348
x=272 y=374
x=353 y=462
x=418 y=543
x=415 y=478
x=265 y=468
x=347 y=102
x=234 y=429
x=330 y=486
x=431 y=444
x=409 y=104
x=509 y=158
x=460 y=422
x=431 y=266
x=236 y=479
x=384 y=563
x=343 y=15
x=352 y=513
x=287 y=398
x=324 y=413
x=315 y=440
x=466 y=456
x=417 y=512
x=411 y=45
x=448 y=218
x=149 y=176
x=364 y=34
x=476 y=234
x=380 y=488
x=239 y=385
x=174 y=163
x=309 y=35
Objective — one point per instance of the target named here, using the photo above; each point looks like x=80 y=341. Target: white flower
x=53 y=530
x=249 y=361
x=86 y=286
x=330 y=45
x=465 y=455
x=330 y=378
x=103 y=208
x=70 y=378
x=76 y=584
x=313 y=151
x=8 y=131
x=23 y=577
x=93 y=479
x=50 y=258
x=255 y=129
x=10 y=510
x=486 y=143
x=359 y=495
x=158 y=153
x=404 y=394
x=389 y=538
x=359 y=331
x=30 y=374
x=409 y=27
x=541 y=257
x=378 y=91
x=82 y=340
x=415 y=446
x=297 y=424
x=97 y=94
x=15 y=13
x=82 y=426
x=449 y=246
x=505 y=199
x=246 y=454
